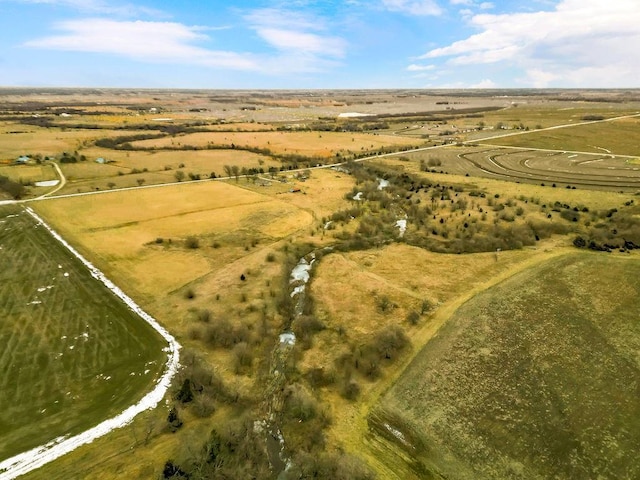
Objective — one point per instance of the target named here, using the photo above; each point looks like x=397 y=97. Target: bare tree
x=236 y=171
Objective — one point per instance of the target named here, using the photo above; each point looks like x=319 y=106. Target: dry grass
x=323 y=144
x=240 y=127
x=199 y=161
x=593 y=199
x=49 y=141
x=446 y=279
x=120 y=228
x=126 y=453
x=502 y=391
x=29 y=173
x=323 y=193
x=113 y=182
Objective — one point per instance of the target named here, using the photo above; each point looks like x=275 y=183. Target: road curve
x=31 y=460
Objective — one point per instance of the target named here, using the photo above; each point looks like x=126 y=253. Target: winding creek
x=274 y=396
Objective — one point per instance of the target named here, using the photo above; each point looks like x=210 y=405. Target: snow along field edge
x=35 y=458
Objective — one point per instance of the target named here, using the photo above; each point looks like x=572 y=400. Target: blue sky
x=320 y=44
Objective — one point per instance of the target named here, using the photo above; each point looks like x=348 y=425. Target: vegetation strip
x=28 y=461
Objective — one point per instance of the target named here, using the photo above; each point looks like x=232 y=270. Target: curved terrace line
x=37 y=457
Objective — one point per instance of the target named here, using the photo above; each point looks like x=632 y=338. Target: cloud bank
x=579 y=43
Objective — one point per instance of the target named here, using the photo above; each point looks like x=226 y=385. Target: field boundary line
x=441 y=316
x=37 y=457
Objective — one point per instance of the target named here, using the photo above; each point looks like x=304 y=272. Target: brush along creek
x=274 y=394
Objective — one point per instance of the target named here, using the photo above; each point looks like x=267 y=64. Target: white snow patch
x=35 y=458
x=353 y=115
x=35 y=302
x=326 y=225
x=66 y=274
x=288 y=338
x=296 y=291
x=397 y=433
x=402 y=225
x=47 y=183
x=382 y=183
x=358 y=196
x=300 y=272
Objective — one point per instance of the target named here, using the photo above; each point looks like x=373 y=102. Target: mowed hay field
x=537 y=377
x=72 y=354
x=28 y=173
x=321 y=144
x=547 y=114
x=16 y=140
x=197 y=161
x=140 y=236
x=620 y=137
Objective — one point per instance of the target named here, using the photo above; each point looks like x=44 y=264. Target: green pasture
x=537 y=377
x=620 y=137
x=71 y=353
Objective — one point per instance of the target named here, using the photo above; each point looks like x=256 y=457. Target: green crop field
x=537 y=377
x=72 y=354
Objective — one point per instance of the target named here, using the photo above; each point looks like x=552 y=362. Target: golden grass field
x=322 y=144
x=449 y=279
x=29 y=173
x=250 y=227
x=119 y=227
x=198 y=161
x=48 y=141
x=114 y=229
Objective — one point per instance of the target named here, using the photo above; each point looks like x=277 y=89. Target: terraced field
x=72 y=354
x=617 y=137
x=599 y=171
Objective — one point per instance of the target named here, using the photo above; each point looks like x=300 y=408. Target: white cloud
x=289 y=40
x=420 y=68
x=295 y=32
x=413 y=7
x=587 y=36
x=140 y=40
x=299 y=42
x=100 y=6
x=472 y=3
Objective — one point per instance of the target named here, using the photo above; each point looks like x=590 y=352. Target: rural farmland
x=388 y=284
x=73 y=354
